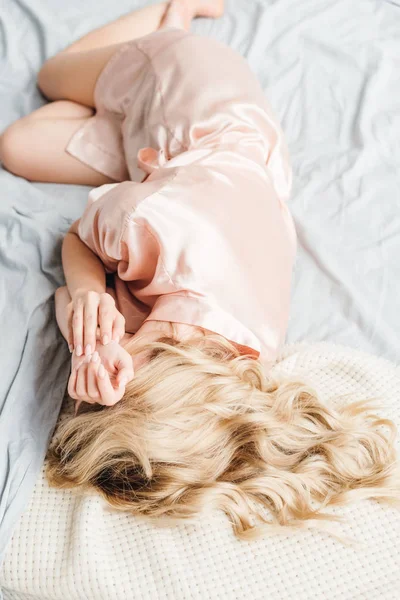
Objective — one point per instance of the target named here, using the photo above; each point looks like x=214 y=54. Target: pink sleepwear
x=197 y=227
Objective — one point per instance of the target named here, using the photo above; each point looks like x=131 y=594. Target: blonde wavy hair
x=203 y=427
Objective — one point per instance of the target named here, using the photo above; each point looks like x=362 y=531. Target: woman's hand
x=100 y=378
x=89 y=311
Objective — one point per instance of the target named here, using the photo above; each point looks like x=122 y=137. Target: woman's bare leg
x=58 y=79
x=34 y=146
x=145 y=20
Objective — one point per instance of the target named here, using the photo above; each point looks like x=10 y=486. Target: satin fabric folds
x=196 y=226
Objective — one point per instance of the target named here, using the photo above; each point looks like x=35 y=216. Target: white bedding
x=69 y=547
x=331 y=69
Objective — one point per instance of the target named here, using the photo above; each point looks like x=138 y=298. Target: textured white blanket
x=70 y=547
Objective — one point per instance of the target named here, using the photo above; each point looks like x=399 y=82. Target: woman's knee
x=35 y=148
x=11 y=146
x=16 y=152
x=20 y=148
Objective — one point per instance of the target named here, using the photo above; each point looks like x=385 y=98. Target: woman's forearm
x=83 y=270
x=62 y=305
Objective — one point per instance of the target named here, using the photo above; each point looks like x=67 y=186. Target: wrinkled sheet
x=331 y=72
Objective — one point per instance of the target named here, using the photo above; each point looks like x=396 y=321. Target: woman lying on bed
x=189 y=217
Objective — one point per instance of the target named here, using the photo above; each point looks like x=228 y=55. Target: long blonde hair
x=203 y=427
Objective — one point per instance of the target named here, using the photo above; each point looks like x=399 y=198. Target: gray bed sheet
x=331 y=71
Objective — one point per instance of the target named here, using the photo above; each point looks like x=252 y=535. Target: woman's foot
x=180 y=13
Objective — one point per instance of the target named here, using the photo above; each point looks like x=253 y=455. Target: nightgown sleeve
x=109 y=228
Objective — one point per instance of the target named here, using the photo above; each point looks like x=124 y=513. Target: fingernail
x=88 y=349
x=71 y=348
x=123 y=381
x=105 y=339
x=101 y=372
x=95 y=356
x=88 y=358
x=78 y=350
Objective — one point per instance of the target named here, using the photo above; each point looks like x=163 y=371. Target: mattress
x=331 y=72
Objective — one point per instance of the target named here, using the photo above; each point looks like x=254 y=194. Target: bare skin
x=100 y=376
x=86 y=311
x=72 y=97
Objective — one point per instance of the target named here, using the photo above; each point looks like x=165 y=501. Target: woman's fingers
x=77 y=326
x=81 y=382
x=72 y=391
x=118 y=327
x=108 y=395
x=70 y=328
x=106 y=317
x=90 y=317
x=72 y=384
x=125 y=369
x=90 y=382
x=93 y=390
x=124 y=375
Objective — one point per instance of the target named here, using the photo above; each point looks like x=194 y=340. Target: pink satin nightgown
x=199 y=231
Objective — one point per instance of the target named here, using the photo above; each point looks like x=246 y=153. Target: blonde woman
x=189 y=217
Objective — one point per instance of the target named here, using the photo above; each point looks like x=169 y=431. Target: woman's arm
x=91 y=305
x=63 y=310
x=102 y=377
x=83 y=270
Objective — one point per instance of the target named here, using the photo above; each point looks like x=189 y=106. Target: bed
x=331 y=71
